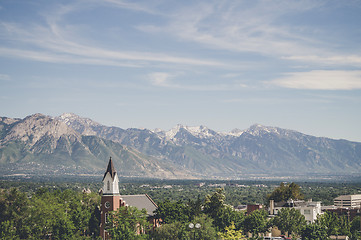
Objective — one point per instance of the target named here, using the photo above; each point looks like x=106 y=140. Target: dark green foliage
x=355 y=228
x=222 y=214
x=171 y=212
x=314 y=232
x=256 y=223
x=334 y=224
x=127 y=223
x=289 y=220
x=286 y=192
x=61 y=215
x=35 y=212
x=180 y=231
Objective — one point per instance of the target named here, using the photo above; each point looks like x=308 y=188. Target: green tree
x=285 y=192
x=127 y=223
x=206 y=230
x=334 y=224
x=256 y=223
x=194 y=208
x=14 y=211
x=171 y=212
x=231 y=233
x=8 y=230
x=314 y=231
x=330 y=222
x=174 y=230
x=180 y=231
x=63 y=228
x=355 y=228
x=214 y=203
x=289 y=220
x=222 y=214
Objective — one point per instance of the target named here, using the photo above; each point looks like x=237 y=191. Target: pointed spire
x=110 y=169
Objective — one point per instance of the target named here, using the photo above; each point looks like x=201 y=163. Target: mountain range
x=69 y=144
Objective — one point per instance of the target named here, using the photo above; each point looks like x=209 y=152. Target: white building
x=308 y=209
x=348 y=201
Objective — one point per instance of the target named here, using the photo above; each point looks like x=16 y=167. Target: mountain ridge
x=181 y=152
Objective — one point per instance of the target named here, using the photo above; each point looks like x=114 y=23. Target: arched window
x=108 y=186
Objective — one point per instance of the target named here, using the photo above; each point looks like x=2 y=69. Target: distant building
x=345 y=205
x=112 y=200
x=309 y=209
x=348 y=201
x=253 y=207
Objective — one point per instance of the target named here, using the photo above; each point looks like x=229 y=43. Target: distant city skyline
x=155 y=64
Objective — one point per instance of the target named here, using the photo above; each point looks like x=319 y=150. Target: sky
x=157 y=63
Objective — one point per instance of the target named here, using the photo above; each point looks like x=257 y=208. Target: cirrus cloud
x=321 y=80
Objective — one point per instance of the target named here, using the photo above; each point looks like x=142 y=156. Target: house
x=111 y=200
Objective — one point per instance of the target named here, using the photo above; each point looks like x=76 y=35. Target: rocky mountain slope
x=72 y=144
x=40 y=144
x=257 y=150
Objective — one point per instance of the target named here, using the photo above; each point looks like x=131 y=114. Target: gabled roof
x=140 y=202
x=110 y=169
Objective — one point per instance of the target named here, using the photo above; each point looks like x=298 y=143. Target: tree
x=314 y=231
x=231 y=233
x=289 y=220
x=334 y=224
x=171 y=212
x=285 y=192
x=256 y=223
x=63 y=228
x=214 y=203
x=355 y=228
x=14 y=210
x=179 y=231
x=127 y=223
x=174 y=230
x=222 y=214
x=330 y=222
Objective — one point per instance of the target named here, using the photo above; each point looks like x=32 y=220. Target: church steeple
x=110 y=169
x=110 y=199
x=110 y=180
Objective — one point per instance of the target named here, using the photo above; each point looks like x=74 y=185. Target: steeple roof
x=110 y=169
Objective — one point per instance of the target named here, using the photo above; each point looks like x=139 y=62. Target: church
x=111 y=200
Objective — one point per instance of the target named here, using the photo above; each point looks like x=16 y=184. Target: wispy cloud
x=168 y=80
x=343 y=60
x=239 y=26
x=131 y=6
x=161 y=79
x=57 y=42
x=321 y=80
x=259 y=27
x=4 y=77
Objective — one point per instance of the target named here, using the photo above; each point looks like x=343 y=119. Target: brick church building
x=111 y=200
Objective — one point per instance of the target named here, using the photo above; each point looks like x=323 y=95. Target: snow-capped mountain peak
x=258 y=129
x=80 y=124
x=197 y=131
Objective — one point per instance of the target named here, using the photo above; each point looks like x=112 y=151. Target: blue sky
x=154 y=64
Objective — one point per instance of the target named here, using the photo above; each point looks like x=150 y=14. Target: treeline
x=237 y=192
x=49 y=214
x=63 y=211
x=213 y=219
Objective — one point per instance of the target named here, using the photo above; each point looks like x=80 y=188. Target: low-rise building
x=309 y=209
x=348 y=201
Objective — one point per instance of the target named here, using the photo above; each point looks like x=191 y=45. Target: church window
x=108 y=186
